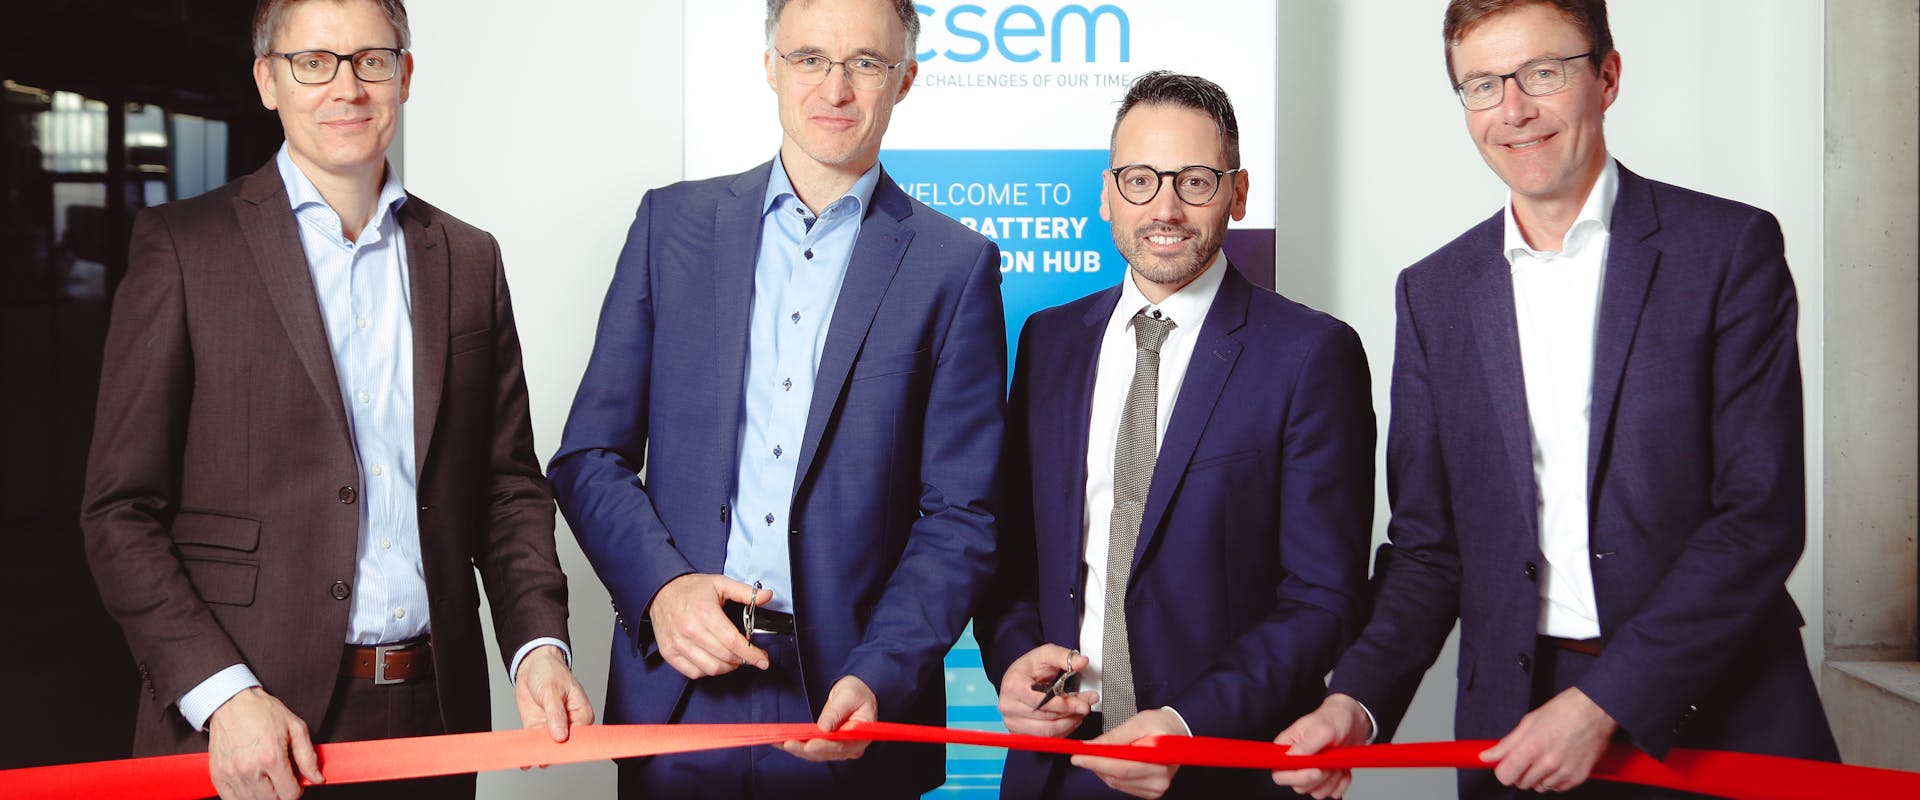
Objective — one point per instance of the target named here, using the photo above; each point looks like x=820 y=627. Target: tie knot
x=1149 y=331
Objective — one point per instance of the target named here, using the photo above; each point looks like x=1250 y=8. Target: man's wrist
x=513 y=669
x=199 y=703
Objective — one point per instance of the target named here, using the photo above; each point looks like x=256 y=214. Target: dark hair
x=1590 y=16
x=271 y=15
x=1163 y=88
x=909 y=18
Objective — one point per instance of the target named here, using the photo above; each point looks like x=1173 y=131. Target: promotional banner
x=1005 y=129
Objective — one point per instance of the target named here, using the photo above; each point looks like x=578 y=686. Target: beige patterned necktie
x=1133 y=455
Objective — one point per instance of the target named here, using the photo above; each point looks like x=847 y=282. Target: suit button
x=723 y=514
x=1533 y=571
x=347 y=494
x=793 y=531
x=340 y=590
x=1526 y=663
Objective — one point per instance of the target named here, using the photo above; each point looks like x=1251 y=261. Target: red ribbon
x=1736 y=775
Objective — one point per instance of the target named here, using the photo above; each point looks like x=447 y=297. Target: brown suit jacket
x=219 y=510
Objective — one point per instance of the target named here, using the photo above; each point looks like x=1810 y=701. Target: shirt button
x=769 y=519
x=339 y=590
x=787 y=384
x=365 y=398
x=777 y=451
x=796 y=317
x=377 y=471
x=360 y=323
x=399 y=613
x=386 y=544
x=808 y=254
x=347 y=494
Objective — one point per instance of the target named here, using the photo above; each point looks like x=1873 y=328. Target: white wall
x=1375 y=171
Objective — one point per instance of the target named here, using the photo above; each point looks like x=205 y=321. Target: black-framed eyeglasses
x=1194 y=185
x=372 y=65
x=811 y=69
x=1536 y=79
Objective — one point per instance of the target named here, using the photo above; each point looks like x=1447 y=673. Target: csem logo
x=1021 y=33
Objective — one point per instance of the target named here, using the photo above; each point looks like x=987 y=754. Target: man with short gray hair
x=809 y=367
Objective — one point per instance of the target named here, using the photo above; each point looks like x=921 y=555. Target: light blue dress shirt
x=362 y=288
x=796 y=283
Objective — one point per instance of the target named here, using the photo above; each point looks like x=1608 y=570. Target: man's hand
x=1020 y=706
x=1555 y=746
x=693 y=633
x=250 y=737
x=1134 y=777
x=547 y=694
x=850 y=699
x=1340 y=721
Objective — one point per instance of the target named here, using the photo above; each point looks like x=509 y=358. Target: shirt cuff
x=198 y=704
x=1183 y=720
x=513 y=672
x=1373 y=725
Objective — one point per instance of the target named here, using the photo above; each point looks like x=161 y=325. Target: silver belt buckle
x=380 y=664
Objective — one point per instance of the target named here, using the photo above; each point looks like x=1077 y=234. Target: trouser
x=747 y=694
x=362 y=710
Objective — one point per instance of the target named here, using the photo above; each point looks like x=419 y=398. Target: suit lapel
x=733 y=268
x=1497 y=333
x=1214 y=354
x=875 y=260
x=1623 y=295
x=429 y=275
x=266 y=221
x=1071 y=417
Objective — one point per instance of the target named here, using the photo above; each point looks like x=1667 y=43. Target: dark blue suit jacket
x=892 y=534
x=1696 y=487
x=1250 y=569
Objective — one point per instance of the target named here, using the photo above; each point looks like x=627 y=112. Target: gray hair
x=1163 y=88
x=271 y=15
x=909 y=18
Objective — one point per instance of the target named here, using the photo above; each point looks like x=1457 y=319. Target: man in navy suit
x=1594 y=454
x=1189 y=482
x=808 y=365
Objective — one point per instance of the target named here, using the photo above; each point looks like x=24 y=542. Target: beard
x=1176 y=270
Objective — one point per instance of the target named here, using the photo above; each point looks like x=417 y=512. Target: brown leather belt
x=1585 y=647
x=389 y=663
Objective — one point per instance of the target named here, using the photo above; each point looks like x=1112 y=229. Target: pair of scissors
x=1056 y=687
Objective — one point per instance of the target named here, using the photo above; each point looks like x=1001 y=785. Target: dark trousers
x=1555 y=671
x=361 y=710
x=777 y=695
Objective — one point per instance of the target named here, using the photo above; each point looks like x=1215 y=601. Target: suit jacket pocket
x=892 y=364
x=213 y=529
x=1224 y=458
x=470 y=341
x=226 y=582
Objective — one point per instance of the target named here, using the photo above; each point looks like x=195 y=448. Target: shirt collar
x=1595 y=219
x=302 y=194
x=1188 y=306
x=854 y=202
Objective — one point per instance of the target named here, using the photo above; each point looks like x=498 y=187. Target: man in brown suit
x=312 y=429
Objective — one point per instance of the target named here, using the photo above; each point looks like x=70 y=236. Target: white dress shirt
x=1556 y=298
x=1113 y=374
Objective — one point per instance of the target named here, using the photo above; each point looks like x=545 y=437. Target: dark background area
x=106 y=107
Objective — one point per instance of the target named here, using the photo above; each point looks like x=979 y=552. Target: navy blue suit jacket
x=1249 y=572
x=892 y=520
x=1696 y=487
